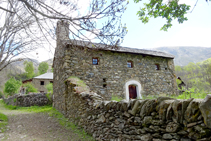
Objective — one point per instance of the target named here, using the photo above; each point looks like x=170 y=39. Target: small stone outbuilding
x=122 y=71
x=39 y=82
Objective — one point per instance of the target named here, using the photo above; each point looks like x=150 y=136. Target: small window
x=95 y=61
x=104 y=79
x=129 y=64
x=157 y=67
x=42 y=83
x=41 y=91
x=104 y=85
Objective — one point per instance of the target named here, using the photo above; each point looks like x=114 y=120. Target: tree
x=43 y=67
x=30 y=88
x=12 y=86
x=168 y=10
x=29 y=68
x=34 y=21
x=16 y=36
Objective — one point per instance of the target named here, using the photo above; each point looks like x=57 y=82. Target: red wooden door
x=132 y=91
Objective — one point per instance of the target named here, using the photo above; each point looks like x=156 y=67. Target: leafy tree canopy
x=29 y=68
x=169 y=10
x=43 y=67
x=30 y=88
x=12 y=86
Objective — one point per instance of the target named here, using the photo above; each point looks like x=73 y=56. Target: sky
x=194 y=32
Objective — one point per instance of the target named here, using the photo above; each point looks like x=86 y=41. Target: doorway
x=132 y=91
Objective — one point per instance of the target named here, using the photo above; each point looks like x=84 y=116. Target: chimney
x=62 y=30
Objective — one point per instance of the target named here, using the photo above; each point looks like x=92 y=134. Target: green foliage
x=3 y=122
x=168 y=10
x=116 y=98
x=11 y=86
x=49 y=87
x=15 y=99
x=29 y=68
x=1 y=94
x=197 y=76
x=43 y=67
x=30 y=88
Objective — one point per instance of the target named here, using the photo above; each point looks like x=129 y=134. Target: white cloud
x=192 y=36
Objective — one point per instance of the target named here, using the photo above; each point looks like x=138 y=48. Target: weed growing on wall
x=80 y=85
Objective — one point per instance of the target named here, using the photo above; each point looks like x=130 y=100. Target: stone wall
x=161 y=119
x=38 y=99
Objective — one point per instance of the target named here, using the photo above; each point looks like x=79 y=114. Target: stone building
x=122 y=71
x=39 y=82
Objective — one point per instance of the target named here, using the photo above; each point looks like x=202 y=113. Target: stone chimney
x=62 y=30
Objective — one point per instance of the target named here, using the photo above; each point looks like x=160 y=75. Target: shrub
x=49 y=87
x=12 y=86
x=30 y=88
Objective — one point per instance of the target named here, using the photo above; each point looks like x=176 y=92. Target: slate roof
x=118 y=49
x=45 y=76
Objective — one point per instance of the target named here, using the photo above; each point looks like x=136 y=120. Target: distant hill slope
x=185 y=55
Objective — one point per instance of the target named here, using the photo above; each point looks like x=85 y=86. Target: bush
x=30 y=88
x=12 y=86
x=49 y=87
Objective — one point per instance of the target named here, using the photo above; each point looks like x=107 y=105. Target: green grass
x=192 y=95
x=69 y=125
x=3 y=122
x=116 y=98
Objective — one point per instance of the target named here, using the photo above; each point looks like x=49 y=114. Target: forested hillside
x=196 y=75
x=185 y=55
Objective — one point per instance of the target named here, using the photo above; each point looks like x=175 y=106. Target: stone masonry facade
x=153 y=72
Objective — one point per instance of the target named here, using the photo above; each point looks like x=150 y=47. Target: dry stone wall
x=38 y=99
x=161 y=119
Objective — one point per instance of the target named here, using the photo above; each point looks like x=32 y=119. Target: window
x=41 y=91
x=104 y=79
x=129 y=64
x=95 y=61
x=104 y=85
x=42 y=83
x=51 y=82
x=157 y=67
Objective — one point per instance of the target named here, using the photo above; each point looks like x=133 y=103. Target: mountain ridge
x=187 y=54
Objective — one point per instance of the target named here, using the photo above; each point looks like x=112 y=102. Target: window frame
x=131 y=64
x=93 y=58
x=157 y=66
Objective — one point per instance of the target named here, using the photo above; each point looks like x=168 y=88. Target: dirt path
x=23 y=126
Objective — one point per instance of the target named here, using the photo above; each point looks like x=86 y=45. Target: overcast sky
x=194 y=32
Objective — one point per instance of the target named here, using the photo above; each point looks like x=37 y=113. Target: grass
x=116 y=98
x=3 y=122
x=53 y=113
x=191 y=95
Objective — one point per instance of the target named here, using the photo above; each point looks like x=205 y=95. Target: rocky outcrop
x=145 y=120
x=38 y=99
